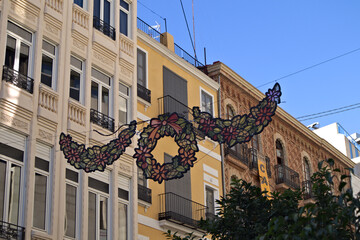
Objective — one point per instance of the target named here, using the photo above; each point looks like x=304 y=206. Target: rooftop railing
x=102 y=120
x=149 y=30
x=18 y=79
x=11 y=231
x=284 y=174
x=186 y=56
x=104 y=27
x=181 y=210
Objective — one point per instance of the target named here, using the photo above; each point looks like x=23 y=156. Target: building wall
x=297 y=140
x=40 y=116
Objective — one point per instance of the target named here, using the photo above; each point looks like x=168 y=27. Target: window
x=351 y=150
x=206 y=102
x=268 y=166
x=210 y=202
x=307 y=173
x=42 y=187
x=255 y=148
x=124 y=20
x=141 y=68
x=280 y=153
x=48 y=73
x=76 y=79
x=18 y=49
x=124 y=96
x=102 y=10
x=230 y=113
x=98 y=224
x=123 y=209
x=100 y=92
x=71 y=203
x=79 y=3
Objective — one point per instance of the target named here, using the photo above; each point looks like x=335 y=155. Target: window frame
x=77 y=206
x=127 y=12
x=126 y=202
x=101 y=84
x=202 y=90
x=128 y=101
x=111 y=23
x=146 y=66
x=81 y=72
x=20 y=40
x=216 y=196
x=54 y=66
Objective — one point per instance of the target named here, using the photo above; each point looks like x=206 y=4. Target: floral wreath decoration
x=96 y=158
x=167 y=125
x=241 y=128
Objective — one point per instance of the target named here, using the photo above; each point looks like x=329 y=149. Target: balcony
x=102 y=120
x=253 y=156
x=287 y=176
x=144 y=193
x=104 y=27
x=146 y=28
x=144 y=93
x=308 y=192
x=180 y=210
x=18 y=79
x=11 y=231
x=241 y=153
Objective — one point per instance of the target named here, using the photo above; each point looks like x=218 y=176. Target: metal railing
x=18 y=79
x=11 y=231
x=253 y=156
x=186 y=56
x=241 y=152
x=102 y=120
x=144 y=93
x=104 y=27
x=284 y=174
x=146 y=28
x=308 y=191
x=180 y=210
x=144 y=193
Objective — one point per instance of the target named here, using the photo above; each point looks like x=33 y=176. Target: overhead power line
x=307 y=68
x=151 y=10
x=318 y=116
x=332 y=110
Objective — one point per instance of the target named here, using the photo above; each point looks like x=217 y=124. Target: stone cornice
x=221 y=68
x=178 y=60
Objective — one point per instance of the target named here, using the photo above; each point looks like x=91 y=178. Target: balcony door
x=102 y=10
x=175 y=93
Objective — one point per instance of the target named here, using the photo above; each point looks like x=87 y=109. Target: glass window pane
x=105 y=101
x=97 y=8
x=10 y=52
x=123 y=89
x=14 y=194
x=123 y=221
x=19 y=31
x=141 y=68
x=103 y=218
x=76 y=63
x=2 y=187
x=92 y=217
x=71 y=175
x=100 y=76
x=98 y=185
x=75 y=85
x=79 y=2
x=24 y=59
x=70 y=211
x=46 y=70
x=123 y=23
x=40 y=201
x=122 y=110
x=124 y=4
x=48 y=47
x=106 y=12
x=94 y=95
x=42 y=164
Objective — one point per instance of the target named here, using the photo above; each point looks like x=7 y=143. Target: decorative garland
x=167 y=125
x=241 y=128
x=96 y=158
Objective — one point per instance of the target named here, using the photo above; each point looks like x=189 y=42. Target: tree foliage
x=246 y=213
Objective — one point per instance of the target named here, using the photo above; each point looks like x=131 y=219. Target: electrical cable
x=330 y=114
x=151 y=10
x=312 y=66
x=187 y=25
x=314 y=114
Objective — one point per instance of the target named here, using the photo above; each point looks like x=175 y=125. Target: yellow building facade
x=169 y=83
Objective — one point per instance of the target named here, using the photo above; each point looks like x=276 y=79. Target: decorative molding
x=45 y=136
x=13 y=122
x=26 y=10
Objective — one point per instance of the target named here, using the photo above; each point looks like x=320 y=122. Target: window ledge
x=144 y=204
x=174 y=227
x=145 y=103
x=40 y=235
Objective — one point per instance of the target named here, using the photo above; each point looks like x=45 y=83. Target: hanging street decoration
x=239 y=129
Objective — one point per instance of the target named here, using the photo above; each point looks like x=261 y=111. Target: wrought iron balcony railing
x=144 y=93
x=284 y=174
x=240 y=152
x=144 y=193
x=149 y=30
x=180 y=210
x=308 y=191
x=104 y=27
x=11 y=231
x=102 y=120
x=18 y=79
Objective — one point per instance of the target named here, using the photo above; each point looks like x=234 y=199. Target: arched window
x=230 y=113
x=307 y=172
x=280 y=156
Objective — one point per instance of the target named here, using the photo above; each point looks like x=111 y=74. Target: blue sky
x=263 y=40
